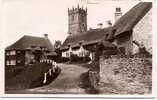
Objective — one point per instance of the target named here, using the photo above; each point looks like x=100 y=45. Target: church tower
x=77 y=20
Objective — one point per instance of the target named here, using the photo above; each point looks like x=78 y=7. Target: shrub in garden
x=76 y=58
x=62 y=59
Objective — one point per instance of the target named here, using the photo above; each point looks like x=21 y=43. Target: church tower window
x=73 y=17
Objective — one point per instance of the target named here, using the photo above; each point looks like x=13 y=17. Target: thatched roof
x=26 y=42
x=132 y=17
x=90 y=37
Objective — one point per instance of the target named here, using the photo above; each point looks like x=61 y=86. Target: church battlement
x=78 y=9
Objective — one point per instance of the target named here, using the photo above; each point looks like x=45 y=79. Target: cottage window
x=11 y=62
x=18 y=61
x=81 y=54
x=18 y=51
x=8 y=53
x=8 y=62
x=13 y=52
x=67 y=54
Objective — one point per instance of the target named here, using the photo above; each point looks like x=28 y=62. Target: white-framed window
x=11 y=62
x=8 y=62
x=67 y=54
x=18 y=51
x=7 y=53
x=13 y=52
x=18 y=61
x=81 y=54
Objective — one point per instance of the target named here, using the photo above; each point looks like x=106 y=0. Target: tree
x=57 y=47
x=57 y=44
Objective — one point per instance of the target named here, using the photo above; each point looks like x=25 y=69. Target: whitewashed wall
x=76 y=51
x=142 y=32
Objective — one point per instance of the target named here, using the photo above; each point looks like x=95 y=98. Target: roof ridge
x=32 y=36
x=28 y=40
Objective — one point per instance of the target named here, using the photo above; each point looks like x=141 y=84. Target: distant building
x=28 y=49
x=134 y=25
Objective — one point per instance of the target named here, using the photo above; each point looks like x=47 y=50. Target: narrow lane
x=66 y=83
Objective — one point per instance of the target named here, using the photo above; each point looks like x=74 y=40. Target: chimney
x=69 y=33
x=107 y=24
x=100 y=25
x=90 y=28
x=46 y=36
x=118 y=13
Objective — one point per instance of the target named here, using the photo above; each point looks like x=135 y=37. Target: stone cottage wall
x=125 y=75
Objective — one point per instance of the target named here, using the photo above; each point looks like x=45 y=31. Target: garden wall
x=125 y=75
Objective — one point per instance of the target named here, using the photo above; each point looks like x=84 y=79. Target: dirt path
x=66 y=83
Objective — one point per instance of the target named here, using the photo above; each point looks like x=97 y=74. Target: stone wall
x=125 y=75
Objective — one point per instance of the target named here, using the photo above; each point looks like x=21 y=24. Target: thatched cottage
x=27 y=50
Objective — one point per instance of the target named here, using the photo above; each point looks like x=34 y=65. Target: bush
x=76 y=58
x=27 y=76
x=39 y=81
x=62 y=59
x=87 y=58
